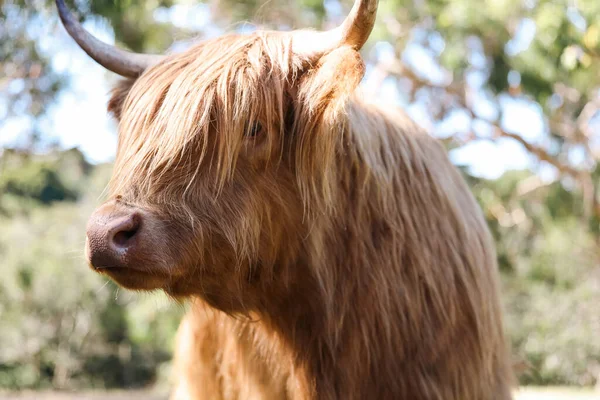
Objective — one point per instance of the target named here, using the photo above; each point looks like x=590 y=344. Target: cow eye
x=254 y=130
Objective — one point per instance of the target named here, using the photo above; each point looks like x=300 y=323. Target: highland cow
x=328 y=246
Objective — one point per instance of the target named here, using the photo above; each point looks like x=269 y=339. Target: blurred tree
x=27 y=83
x=551 y=275
x=61 y=325
x=541 y=54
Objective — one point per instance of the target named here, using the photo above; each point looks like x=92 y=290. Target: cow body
x=414 y=305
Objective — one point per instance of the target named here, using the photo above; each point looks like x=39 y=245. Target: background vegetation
x=458 y=65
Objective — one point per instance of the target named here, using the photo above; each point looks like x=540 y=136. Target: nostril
x=125 y=231
x=122 y=238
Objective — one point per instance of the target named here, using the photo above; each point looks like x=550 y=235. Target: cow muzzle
x=131 y=245
x=114 y=235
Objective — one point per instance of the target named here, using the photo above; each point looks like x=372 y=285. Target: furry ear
x=118 y=96
x=322 y=93
x=324 y=89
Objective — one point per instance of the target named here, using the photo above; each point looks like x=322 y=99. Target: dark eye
x=254 y=130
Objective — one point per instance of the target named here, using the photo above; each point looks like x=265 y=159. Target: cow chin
x=134 y=280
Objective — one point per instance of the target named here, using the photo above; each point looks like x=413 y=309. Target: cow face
x=226 y=151
x=221 y=151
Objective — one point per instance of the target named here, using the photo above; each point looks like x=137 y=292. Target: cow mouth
x=133 y=278
x=117 y=270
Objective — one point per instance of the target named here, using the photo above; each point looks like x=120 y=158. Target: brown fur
x=336 y=255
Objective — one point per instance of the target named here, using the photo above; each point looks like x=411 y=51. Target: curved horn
x=354 y=31
x=112 y=58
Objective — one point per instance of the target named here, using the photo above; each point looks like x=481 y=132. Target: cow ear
x=321 y=96
x=325 y=88
x=118 y=96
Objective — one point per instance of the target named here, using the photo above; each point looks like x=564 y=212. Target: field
x=556 y=394
x=112 y=395
x=522 y=394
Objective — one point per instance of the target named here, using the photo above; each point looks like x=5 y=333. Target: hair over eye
x=255 y=129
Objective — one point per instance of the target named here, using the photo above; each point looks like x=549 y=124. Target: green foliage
x=550 y=262
x=38 y=182
x=61 y=325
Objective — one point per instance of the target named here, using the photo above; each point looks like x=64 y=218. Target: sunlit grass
x=556 y=393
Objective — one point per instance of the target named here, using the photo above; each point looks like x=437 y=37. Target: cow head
x=226 y=153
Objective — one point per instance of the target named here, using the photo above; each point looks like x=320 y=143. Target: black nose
x=112 y=237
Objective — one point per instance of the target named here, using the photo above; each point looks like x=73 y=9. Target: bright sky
x=79 y=118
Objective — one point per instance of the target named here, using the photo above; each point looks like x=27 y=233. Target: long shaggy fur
x=335 y=255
